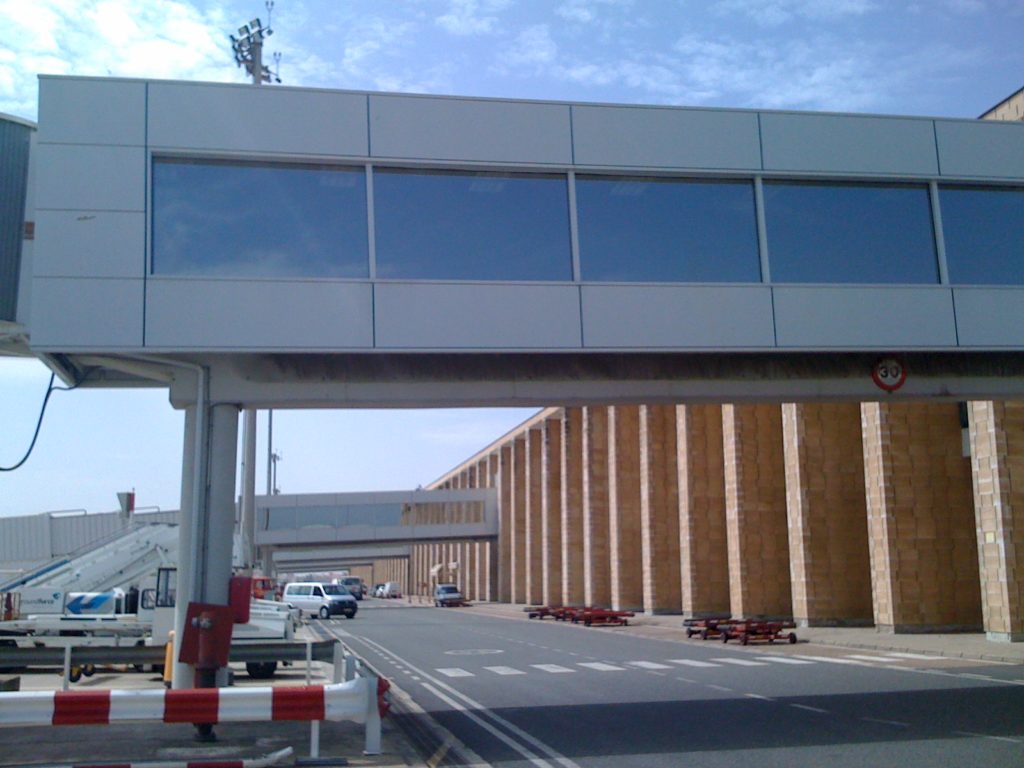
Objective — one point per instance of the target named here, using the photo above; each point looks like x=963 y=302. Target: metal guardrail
x=144 y=654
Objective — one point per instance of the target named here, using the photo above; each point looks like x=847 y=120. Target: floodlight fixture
x=243 y=31
x=248 y=48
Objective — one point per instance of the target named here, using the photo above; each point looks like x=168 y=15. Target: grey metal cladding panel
x=14 y=150
x=90 y=244
x=76 y=111
x=665 y=138
x=459 y=129
x=91 y=178
x=990 y=317
x=253 y=119
x=74 y=313
x=864 y=317
x=227 y=314
x=981 y=148
x=677 y=317
x=848 y=144
x=474 y=316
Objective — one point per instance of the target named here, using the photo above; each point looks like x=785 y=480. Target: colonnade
x=904 y=515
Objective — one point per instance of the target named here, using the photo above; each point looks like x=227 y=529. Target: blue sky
x=941 y=58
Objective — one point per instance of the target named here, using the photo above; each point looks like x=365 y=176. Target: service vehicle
x=391 y=589
x=318 y=599
x=446 y=595
x=354 y=585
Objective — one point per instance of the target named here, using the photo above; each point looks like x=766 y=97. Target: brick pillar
x=551 y=513
x=518 y=527
x=755 y=511
x=703 y=546
x=924 y=552
x=828 y=532
x=659 y=509
x=532 y=577
x=572 y=507
x=504 y=547
x=596 y=566
x=624 y=520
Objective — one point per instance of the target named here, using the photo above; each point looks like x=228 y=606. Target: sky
x=949 y=58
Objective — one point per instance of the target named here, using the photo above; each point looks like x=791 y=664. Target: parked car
x=354 y=585
x=378 y=590
x=392 y=589
x=447 y=595
x=323 y=600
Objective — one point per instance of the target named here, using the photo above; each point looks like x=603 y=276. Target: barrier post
x=314 y=725
x=372 y=746
x=67 y=668
x=338 y=663
x=350 y=667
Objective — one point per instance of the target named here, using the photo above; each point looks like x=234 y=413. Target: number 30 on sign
x=889 y=373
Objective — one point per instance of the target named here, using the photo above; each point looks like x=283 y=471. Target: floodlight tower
x=248 y=49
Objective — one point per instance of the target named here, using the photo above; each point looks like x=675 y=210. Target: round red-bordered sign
x=889 y=373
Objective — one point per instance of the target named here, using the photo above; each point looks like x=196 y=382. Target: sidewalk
x=956 y=645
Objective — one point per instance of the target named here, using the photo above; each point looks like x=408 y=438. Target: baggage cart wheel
x=75 y=674
x=689 y=633
x=725 y=635
x=744 y=639
x=792 y=638
x=703 y=634
x=88 y=670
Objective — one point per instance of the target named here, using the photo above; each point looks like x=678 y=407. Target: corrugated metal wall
x=14 y=144
x=25 y=541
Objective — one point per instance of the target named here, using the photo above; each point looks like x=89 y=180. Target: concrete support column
x=997 y=454
x=551 y=512
x=828 y=533
x=755 y=511
x=921 y=525
x=571 y=460
x=182 y=674
x=596 y=563
x=533 y=575
x=624 y=520
x=659 y=509
x=518 y=526
x=503 y=561
x=703 y=539
x=218 y=530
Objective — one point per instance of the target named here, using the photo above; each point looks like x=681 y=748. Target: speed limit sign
x=889 y=373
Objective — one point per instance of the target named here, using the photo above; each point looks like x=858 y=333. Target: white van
x=323 y=600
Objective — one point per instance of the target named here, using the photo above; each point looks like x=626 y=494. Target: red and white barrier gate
x=342 y=701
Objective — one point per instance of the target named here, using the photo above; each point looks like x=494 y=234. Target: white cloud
x=587 y=11
x=532 y=46
x=125 y=38
x=776 y=12
x=471 y=17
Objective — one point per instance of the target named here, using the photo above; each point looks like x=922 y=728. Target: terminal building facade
x=703 y=293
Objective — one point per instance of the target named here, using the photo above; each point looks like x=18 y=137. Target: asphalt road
x=532 y=693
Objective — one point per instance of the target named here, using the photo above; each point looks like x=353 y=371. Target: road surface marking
x=694 y=663
x=986 y=736
x=648 y=665
x=601 y=666
x=903 y=655
x=555 y=669
x=896 y=723
x=758 y=696
x=783 y=660
x=879 y=659
x=720 y=688
x=830 y=659
x=810 y=709
x=455 y=672
x=505 y=670
x=741 y=662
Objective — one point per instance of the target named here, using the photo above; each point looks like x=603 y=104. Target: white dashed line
x=758 y=696
x=806 y=708
x=741 y=662
x=783 y=660
x=601 y=666
x=505 y=670
x=895 y=723
x=830 y=659
x=876 y=659
x=903 y=655
x=648 y=665
x=454 y=672
x=694 y=663
x=720 y=688
x=555 y=669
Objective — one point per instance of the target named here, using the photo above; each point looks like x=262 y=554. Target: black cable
x=39 y=424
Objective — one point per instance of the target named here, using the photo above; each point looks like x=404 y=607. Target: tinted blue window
x=660 y=230
x=849 y=233
x=471 y=226
x=242 y=220
x=984 y=233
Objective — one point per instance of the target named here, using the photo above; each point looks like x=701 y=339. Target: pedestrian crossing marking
x=904 y=655
x=455 y=672
x=741 y=662
x=555 y=669
x=879 y=659
x=601 y=666
x=648 y=665
x=830 y=659
x=694 y=663
x=783 y=660
x=505 y=670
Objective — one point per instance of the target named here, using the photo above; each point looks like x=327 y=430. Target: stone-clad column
x=519 y=512
x=828 y=532
x=921 y=525
x=572 y=461
x=659 y=509
x=596 y=571
x=624 y=521
x=504 y=548
x=551 y=512
x=703 y=547
x=755 y=508
x=533 y=592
